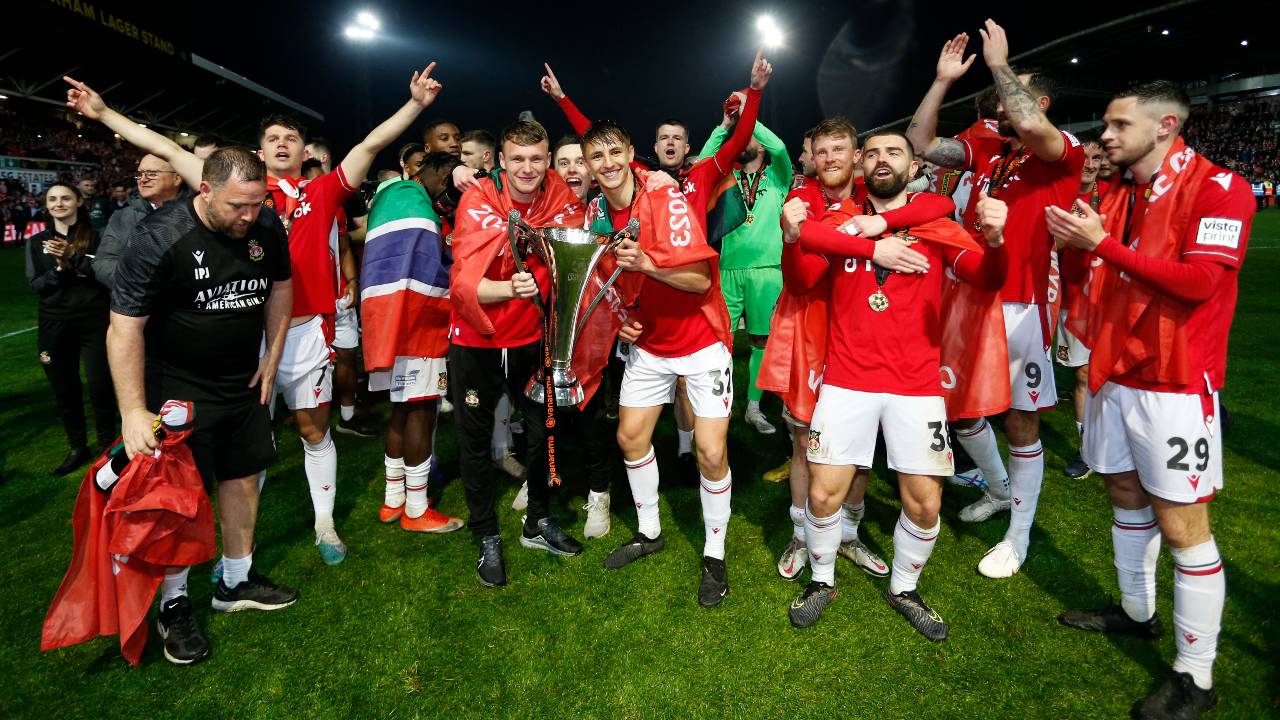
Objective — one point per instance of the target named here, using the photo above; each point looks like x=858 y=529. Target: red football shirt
x=1217 y=233
x=516 y=321
x=1028 y=190
x=313 y=241
x=672 y=320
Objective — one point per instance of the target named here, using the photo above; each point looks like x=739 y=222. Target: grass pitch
x=404 y=630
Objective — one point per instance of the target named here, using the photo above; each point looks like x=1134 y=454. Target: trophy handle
x=516 y=227
x=632 y=230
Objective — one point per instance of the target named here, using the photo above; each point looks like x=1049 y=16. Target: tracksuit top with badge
x=205 y=296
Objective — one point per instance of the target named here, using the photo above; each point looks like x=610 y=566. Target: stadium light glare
x=366 y=19
x=357 y=33
x=1244 y=43
x=770 y=33
x=1165 y=32
x=183 y=134
x=1075 y=61
x=4 y=97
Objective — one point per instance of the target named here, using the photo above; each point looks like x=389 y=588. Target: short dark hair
x=836 y=126
x=985 y=103
x=565 y=141
x=1089 y=137
x=524 y=132
x=1040 y=82
x=808 y=134
x=284 y=121
x=311 y=164
x=1154 y=91
x=228 y=162
x=605 y=132
x=672 y=121
x=484 y=137
x=439 y=161
x=435 y=124
x=408 y=149
x=891 y=132
x=208 y=141
x=320 y=144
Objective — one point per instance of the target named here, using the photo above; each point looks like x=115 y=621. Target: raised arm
x=779 y=161
x=84 y=100
x=423 y=90
x=922 y=132
x=1020 y=105
x=551 y=86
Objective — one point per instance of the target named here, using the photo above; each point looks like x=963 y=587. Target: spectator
x=73 y=311
x=158 y=184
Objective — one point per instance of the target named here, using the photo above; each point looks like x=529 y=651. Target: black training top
x=205 y=295
x=70 y=293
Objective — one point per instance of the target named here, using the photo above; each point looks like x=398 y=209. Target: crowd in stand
x=1241 y=136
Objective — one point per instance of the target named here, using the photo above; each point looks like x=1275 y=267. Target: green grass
x=404 y=630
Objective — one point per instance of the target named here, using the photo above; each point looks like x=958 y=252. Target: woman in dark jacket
x=73 y=316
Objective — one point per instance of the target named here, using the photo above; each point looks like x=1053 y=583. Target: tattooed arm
x=1021 y=106
x=924 y=125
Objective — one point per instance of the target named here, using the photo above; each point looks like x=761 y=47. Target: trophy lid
x=573 y=236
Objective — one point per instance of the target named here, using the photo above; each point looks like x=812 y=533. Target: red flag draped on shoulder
x=157 y=516
x=481 y=236
x=974 y=351
x=1129 y=328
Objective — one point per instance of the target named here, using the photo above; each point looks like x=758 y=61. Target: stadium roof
x=140 y=72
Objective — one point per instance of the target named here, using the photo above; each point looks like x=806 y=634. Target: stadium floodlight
x=1165 y=32
x=4 y=97
x=183 y=134
x=1075 y=61
x=1244 y=43
x=366 y=19
x=770 y=32
x=357 y=33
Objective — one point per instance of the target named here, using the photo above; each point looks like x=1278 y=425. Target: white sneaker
x=446 y=407
x=1001 y=561
x=522 y=498
x=794 y=558
x=969 y=478
x=597 y=508
x=755 y=419
x=861 y=555
x=510 y=465
x=983 y=509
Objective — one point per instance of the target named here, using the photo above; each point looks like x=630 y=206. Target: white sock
x=1079 y=429
x=1199 y=592
x=262 y=480
x=394 y=496
x=980 y=442
x=850 y=518
x=1136 y=539
x=753 y=406
x=416 y=478
x=347 y=412
x=236 y=570
x=320 y=462
x=1026 y=473
x=716 y=495
x=912 y=546
x=642 y=475
x=501 y=442
x=797 y=523
x=822 y=535
x=173 y=586
x=684 y=439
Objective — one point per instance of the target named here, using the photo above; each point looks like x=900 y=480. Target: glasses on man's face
x=151 y=174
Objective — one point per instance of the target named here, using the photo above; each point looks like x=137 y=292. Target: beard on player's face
x=885 y=185
x=1004 y=126
x=748 y=154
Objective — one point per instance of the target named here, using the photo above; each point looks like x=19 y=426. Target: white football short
x=650 y=380
x=412 y=378
x=1070 y=351
x=304 y=377
x=846 y=422
x=346 y=327
x=1030 y=371
x=1173 y=440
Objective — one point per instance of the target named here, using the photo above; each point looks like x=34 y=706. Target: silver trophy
x=571 y=254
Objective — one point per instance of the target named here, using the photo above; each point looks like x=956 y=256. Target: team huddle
x=879 y=303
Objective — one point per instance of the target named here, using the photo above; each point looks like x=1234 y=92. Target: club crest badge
x=472 y=399
x=44 y=357
x=255 y=250
x=442 y=384
x=815 y=441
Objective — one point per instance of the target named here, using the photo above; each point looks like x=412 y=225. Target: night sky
x=635 y=62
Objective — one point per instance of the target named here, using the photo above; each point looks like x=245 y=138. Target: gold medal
x=878 y=301
x=750 y=218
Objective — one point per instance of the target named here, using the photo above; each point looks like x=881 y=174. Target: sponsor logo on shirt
x=1223 y=232
x=235 y=295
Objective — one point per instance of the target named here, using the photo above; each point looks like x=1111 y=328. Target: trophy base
x=566 y=395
